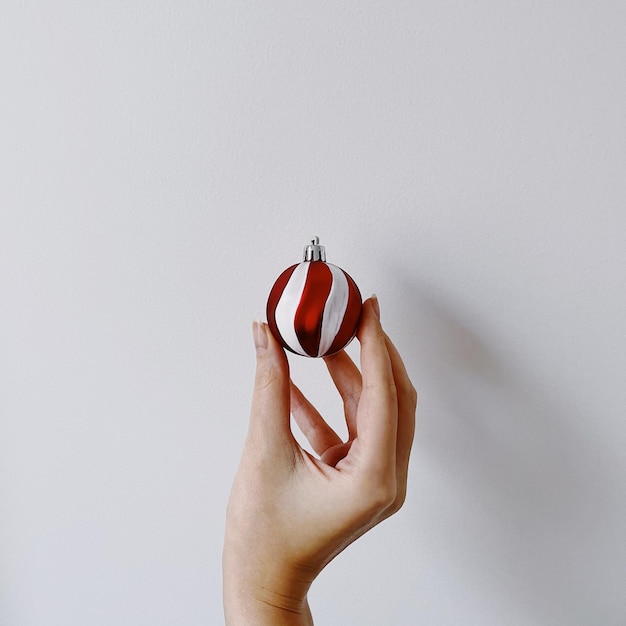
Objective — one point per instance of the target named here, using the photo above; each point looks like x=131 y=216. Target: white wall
x=162 y=162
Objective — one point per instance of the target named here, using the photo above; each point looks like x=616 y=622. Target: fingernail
x=259 y=335
x=375 y=305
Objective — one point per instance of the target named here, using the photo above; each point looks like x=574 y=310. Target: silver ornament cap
x=314 y=252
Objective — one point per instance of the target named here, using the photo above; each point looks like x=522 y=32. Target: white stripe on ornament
x=287 y=306
x=335 y=309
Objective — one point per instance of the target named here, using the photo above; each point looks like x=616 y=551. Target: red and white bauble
x=314 y=307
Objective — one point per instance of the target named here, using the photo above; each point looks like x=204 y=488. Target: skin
x=290 y=513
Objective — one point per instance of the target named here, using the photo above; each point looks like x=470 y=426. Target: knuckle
x=351 y=400
x=265 y=378
x=386 y=388
x=397 y=504
x=410 y=394
x=381 y=494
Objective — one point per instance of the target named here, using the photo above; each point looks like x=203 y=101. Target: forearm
x=245 y=605
x=258 y=592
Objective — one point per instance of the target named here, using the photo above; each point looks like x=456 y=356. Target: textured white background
x=162 y=162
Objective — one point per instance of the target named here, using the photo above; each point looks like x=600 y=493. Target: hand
x=290 y=513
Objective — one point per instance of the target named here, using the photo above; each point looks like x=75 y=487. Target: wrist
x=261 y=594
x=242 y=608
x=245 y=603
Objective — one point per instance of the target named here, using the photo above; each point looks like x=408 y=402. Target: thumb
x=269 y=418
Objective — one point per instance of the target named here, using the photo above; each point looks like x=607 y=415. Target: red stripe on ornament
x=350 y=322
x=308 y=318
x=272 y=303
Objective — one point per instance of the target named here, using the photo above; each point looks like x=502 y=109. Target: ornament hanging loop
x=315 y=252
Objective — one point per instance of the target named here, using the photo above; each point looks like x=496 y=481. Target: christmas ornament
x=314 y=307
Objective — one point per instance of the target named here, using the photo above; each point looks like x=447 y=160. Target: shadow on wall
x=535 y=494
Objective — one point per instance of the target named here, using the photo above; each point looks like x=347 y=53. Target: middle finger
x=347 y=379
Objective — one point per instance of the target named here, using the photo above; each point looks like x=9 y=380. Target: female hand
x=290 y=513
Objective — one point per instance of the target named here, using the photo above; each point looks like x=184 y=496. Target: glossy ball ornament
x=314 y=307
